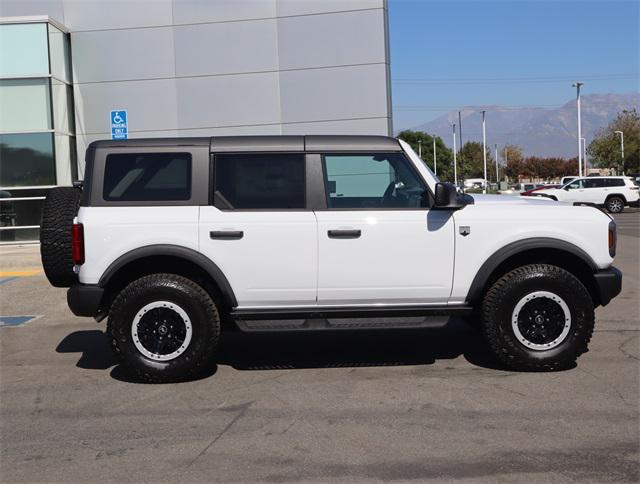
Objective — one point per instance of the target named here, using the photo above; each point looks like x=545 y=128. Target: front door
x=378 y=241
x=258 y=230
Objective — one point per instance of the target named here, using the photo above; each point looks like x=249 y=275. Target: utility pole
x=460 y=132
x=420 y=148
x=484 y=152
x=455 y=160
x=621 y=148
x=577 y=85
x=435 y=163
x=497 y=177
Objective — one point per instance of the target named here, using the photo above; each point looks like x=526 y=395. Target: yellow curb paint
x=29 y=272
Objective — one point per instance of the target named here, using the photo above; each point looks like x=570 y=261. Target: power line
x=513 y=80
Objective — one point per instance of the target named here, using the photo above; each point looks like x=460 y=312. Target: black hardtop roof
x=222 y=144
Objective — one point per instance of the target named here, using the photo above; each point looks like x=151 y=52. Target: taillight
x=77 y=244
x=613 y=238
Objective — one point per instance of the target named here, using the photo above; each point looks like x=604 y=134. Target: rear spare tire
x=58 y=212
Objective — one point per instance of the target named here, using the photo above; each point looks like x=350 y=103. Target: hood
x=511 y=200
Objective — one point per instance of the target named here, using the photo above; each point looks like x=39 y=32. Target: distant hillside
x=540 y=131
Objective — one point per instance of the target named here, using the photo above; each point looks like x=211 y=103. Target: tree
x=471 y=156
x=444 y=156
x=512 y=159
x=604 y=150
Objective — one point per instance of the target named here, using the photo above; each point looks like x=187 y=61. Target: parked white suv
x=610 y=192
x=176 y=240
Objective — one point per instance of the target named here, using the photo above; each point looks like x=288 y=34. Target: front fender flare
x=514 y=248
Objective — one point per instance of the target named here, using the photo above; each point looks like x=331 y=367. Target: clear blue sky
x=440 y=49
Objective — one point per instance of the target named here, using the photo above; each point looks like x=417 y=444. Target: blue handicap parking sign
x=119 y=128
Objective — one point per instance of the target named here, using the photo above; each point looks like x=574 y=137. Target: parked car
x=610 y=192
x=474 y=183
x=536 y=190
x=520 y=188
x=177 y=240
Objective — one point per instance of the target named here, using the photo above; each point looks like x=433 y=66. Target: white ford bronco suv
x=176 y=240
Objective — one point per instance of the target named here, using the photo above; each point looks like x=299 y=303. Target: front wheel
x=163 y=328
x=538 y=318
x=614 y=204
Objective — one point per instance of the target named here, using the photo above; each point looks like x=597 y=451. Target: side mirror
x=566 y=188
x=447 y=197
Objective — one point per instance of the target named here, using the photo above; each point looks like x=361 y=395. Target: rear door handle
x=226 y=234
x=344 y=234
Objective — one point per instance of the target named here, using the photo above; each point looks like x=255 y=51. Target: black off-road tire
x=186 y=294
x=614 y=204
x=502 y=298
x=60 y=208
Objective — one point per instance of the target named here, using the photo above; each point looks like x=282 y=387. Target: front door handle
x=344 y=234
x=226 y=234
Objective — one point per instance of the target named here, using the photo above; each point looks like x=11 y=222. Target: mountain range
x=539 y=131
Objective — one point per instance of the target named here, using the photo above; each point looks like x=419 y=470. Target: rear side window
x=594 y=183
x=614 y=182
x=259 y=181
x=147 y=177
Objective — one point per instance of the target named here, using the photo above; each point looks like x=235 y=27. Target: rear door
x=258 y=230
x=378 y=241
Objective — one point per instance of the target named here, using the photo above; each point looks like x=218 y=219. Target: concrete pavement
x=425 y=405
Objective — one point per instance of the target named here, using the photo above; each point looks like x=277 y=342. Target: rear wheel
x=614 y=204
x=538 y=317
x=58 y=212
x=164 y=328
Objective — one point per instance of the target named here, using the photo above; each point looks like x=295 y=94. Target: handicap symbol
x=117 y=119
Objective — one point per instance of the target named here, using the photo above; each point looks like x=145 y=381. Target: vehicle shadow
x=318 y=349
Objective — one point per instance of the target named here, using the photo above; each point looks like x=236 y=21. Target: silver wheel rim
x=183 y=317
x=530 y=297
x=615 y=205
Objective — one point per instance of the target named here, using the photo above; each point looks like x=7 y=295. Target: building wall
x=200 y=68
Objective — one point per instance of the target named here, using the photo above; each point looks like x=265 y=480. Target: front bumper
x=608 y=284
x=85 y=299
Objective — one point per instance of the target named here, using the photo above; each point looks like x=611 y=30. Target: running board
x=341 y=324
x=349 y=312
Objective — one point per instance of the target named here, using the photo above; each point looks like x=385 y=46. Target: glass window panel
x=147 y=177
x=62 y=106
x=383 y=180
x=19 y=235
x=24 y=50
x=26 y=159
x=269 y=181
x=16 y=213
x=25 y=105
x=60 y=54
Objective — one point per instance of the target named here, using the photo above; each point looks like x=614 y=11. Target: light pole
x=420 y=148
x=577 y=85
x=583 y=147
x=455 y=159
x=460 y=132
x=484 y=152
x=435 y=163
x=621 y=147
x=497 y=178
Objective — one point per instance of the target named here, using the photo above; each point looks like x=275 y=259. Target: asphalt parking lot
x=426 y=404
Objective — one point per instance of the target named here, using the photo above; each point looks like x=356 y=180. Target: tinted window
x=614 y=182
x=594 y=183
x=261 y=181
x=138 y=177
x=372 y=181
